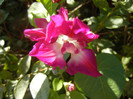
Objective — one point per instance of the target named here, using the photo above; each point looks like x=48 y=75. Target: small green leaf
x=127 y=5
x=102 y=44
x=39 y=86
x=5 y=74
x=11 y=62
x=2 y=43
x=50 y=6
x=115 y=22
x=24 y=64
x=10 y=87
x=37 y=66
x=70 y=2
x=21 y=87
x=1 y=1
x=37 y=10
x=57 y=84
x=102 y=4
x=108 y=86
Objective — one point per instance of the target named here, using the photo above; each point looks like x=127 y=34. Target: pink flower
x=71 y=87
x=61 y=36
x=54 y=1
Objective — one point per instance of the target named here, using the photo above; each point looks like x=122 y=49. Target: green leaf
x=53 y=94
x=57 y=84
x=10 y=87
x=109 y=51
x=2 y=43
x=62 y=96
x=21 y=87
x=77 y=95
x=1 y=1
x=5 y=74
x=115 y=22
x=102 y=44
x=127 y=5
x=11 y=62
x=37 y=10
x=108 y=86
x=24 y=64
x=101 y=4
x=37 y=66
x=50 y=6
x=70 y=2
x=39 y=86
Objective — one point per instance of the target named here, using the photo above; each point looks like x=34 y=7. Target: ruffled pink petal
x=83 y=62
x=49 y=54
x=63 y=12
x=61 y=25
x=80 y=27
x=41 y=22
x=35 y=34
x=66 y=27
x=81 y=31
x=92 y=36
x=51 y=33
x=57 y=19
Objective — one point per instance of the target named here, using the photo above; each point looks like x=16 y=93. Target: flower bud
x=54 y=1
x=71 y=87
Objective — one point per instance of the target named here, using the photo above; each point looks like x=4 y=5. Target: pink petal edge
x=83 y=62
x=41 y=22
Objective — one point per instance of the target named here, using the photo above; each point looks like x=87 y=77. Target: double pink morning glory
x=61 y=36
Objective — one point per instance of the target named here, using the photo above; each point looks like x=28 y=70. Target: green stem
x=102 y=22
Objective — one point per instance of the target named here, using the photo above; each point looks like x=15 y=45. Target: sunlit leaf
x=110 y=85
x=39 y=86
x=109 y=51
x=70 y=2
x=24 y=64
x=2 y=43
x=50 y=6
x=102 y=44
x=37 y=10
x=57 y=84
x=39 y=65
x=10 y=87
x=21 y=87
x=1 y=1
x=115 y=22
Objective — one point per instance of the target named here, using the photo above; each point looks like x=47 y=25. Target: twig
x=79 y=6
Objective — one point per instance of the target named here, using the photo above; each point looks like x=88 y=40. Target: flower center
x=63 y=38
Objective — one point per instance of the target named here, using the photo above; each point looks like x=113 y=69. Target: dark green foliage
x=22 y=77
